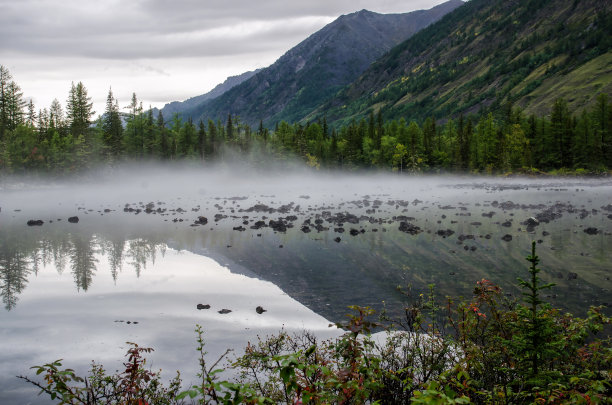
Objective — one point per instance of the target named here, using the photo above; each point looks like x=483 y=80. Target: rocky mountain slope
x=179 y=107
x=318 y=67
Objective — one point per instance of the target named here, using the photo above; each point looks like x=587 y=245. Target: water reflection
x=23 y=254
x=14 y=271
x=461 y=240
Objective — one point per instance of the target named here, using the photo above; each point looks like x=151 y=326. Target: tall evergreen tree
x=5 y=79
x=164 y=144
x=202 y=142
x=379 y=130
x=112 y=126
x=561 y=134
x=229 y=131
x=79 y=110
x=602 y=120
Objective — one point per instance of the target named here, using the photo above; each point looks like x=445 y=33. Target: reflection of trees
x=82 y=261
x=115 y=256
x=139 y=251
x=23 y=253
x=14 y=271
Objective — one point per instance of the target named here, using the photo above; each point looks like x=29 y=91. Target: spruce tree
x=79 y=109
x=202 y=142
x=536 y=337
x=112 y=126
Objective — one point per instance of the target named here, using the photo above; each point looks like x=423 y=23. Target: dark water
x=123 y=231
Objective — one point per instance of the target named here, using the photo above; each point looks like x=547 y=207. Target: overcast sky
x=163 y=50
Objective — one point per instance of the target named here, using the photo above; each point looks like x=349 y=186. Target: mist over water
x=325 y=239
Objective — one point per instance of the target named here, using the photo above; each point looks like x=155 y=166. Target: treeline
x=67 y=139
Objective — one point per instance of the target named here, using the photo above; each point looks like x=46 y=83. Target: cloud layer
x=167 y=50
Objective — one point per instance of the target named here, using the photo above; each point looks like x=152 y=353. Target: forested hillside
x=67 y=140
x=485 y=54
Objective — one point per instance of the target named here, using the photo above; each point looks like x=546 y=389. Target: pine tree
x=429 y=134
x=536 y=342
x=229 y=131
x=112 y=126
x=213 y=138
x=31 y=117
x=164 y=146
x=379 y=130
x=79 y=109
x=561 y=133
x=56 y=116
x=15 y=105
x=202 y=142
x=5 y=79
x=602 y=117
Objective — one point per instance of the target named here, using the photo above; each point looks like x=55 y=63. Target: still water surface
x=141 y=253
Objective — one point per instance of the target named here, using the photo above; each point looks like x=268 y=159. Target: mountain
x=482 y=56
x=178 y=107
x=319 y=66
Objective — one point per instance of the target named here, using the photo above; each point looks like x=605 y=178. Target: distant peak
x=360 y=13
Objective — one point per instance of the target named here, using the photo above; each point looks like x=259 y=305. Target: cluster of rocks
x=259 y=309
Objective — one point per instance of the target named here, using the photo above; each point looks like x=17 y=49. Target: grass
x=579 y=87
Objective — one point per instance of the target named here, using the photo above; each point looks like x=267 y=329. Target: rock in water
x=202 y=306
x=201 y=221
x=409 y=228
x=260 y=310
x=225 y=311
x=35 y=222
x=73 y=220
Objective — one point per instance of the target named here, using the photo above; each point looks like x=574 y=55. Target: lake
x=151 y=244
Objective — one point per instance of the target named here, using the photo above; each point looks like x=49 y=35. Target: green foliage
x=135 y=385
x=502 y=142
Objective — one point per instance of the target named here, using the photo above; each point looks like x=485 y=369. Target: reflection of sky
x=53 y=320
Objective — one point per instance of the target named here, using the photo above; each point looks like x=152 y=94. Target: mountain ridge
x=483 y=55
x=178 y=107
x=318 y=67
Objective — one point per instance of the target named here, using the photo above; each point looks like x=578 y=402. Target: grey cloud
x=144 y=45
x=161 y=28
